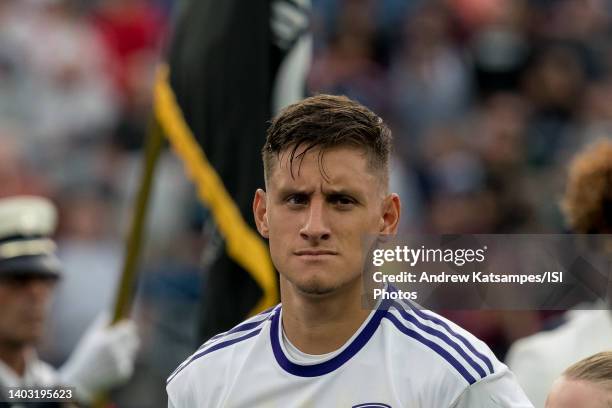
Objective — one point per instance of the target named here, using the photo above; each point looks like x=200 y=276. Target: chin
x=23 y=339
x=319 y=286
x=315 y=289
x=31 y=333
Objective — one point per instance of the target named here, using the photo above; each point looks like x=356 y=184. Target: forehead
x=337 y=166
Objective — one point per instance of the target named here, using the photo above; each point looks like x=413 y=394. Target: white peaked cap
x=26 y=224
x=27 y=216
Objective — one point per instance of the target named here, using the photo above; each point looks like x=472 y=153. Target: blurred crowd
x=487 y=100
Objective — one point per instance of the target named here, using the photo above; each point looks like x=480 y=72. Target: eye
x=297 y=199
x=16 y=282
x=342 y=201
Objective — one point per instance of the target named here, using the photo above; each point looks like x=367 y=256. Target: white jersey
x=401 y=356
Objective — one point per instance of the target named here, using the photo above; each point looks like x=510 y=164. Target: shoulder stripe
x=217 y=346
x=434 y=346
x=439 y=334
x=240 y=328
x=248 y=325
x=458 y=336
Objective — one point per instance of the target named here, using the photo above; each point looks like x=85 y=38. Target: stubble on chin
x=315 y=288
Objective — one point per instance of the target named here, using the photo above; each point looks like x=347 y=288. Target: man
x=29 y=271
x=539 y=359
x=586 y=384
x=326 y=171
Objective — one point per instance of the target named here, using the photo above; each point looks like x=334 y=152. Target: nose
x=316 y=227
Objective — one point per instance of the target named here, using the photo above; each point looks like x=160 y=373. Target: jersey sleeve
x=180 y=393
x=498 y=390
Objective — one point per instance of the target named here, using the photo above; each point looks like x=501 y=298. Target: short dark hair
x=323 y=122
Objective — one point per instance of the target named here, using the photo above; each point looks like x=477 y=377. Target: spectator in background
x=596 y=111
x=17 y=174
x=461 y=183
x=554 y=82
x=496 y=34
x=539 y=359
x=29 y=271
x=429 y=82
x=15 y=97
x=71 y=93
x=132 y=32
x=350 y=65
x=586 y=384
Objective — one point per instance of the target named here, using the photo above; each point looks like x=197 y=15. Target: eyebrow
x=327 y=192
x=294 y=190
x=340 y=191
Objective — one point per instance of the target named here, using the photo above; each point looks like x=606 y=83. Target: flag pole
x=133 y=244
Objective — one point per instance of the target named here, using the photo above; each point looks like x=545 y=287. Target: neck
x=321 y=324
x=14 y=356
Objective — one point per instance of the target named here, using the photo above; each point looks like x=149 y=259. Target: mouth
x=314 y=254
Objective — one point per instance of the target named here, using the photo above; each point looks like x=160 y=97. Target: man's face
x=567 y=393
x=317 y=219
x=24 y=305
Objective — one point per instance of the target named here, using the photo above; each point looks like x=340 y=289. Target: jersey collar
x=314 y=370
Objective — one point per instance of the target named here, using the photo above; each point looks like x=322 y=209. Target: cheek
x=359 y=236
x=10 y=317
x=354 y=229
x=283 y=225
x=282 y=236
x=6 y=299
x=275 y=247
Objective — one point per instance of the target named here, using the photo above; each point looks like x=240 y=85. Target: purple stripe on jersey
x=440 y=335
x=217 y=346
x=459 y=337
x=239 y=328
x=465 y=341
x=434 y=346
x=330 y=365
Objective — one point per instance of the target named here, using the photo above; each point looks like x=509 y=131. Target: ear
x=260 y=212
x=390 y=216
